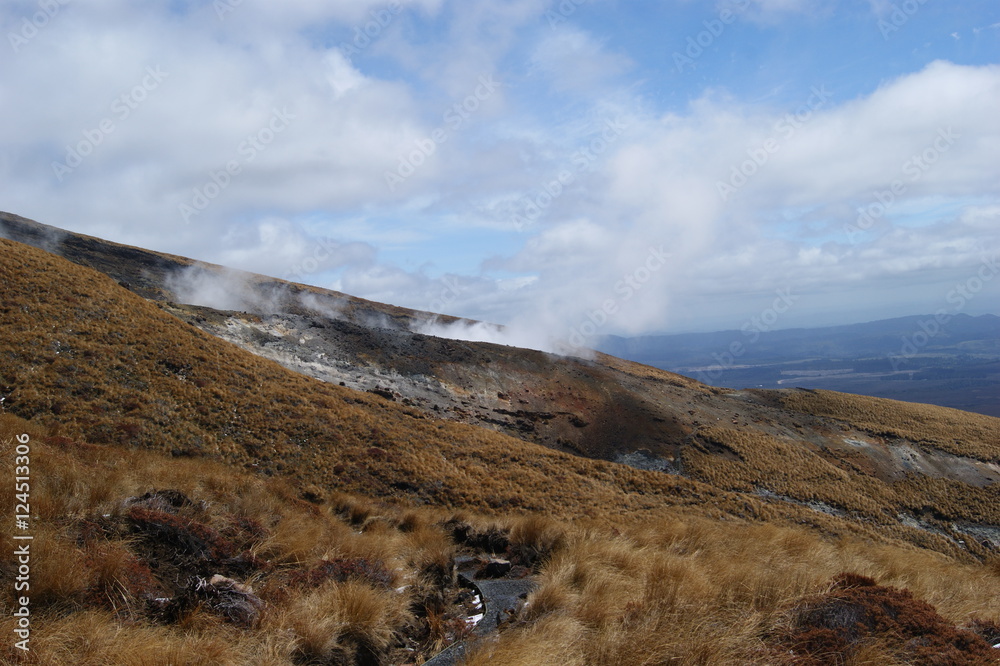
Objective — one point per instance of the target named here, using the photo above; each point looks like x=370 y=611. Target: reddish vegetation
x=829 y=628
x=243 y=531
x=187 y=538
x=341 y=570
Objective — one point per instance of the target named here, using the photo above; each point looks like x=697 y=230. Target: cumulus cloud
x=283 y=249
x=571 y=59
x=925 y=140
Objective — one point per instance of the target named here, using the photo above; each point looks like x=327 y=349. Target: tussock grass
x=960 y=433
x=551 y=640
x=674 y=589
x=336 y=621
x=94 y=638
x=754 y=462
x=699 y=592
x=329 y=587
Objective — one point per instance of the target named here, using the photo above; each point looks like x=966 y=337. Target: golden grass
x=551 y=640
x=951 y=430
x=90 y=588
x=697 y=592
x=674 y=589
x=337 y=620
x=755 y=462
x=96 y=638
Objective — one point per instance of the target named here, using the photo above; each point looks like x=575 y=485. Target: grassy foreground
x=122 y=536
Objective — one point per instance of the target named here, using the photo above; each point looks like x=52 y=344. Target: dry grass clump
x=96 y=638
x=347 y=622
x=534 y=538
x=551 y=640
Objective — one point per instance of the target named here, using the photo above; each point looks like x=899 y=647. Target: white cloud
x=665 y=176
x=280 y=248
x=573 y=60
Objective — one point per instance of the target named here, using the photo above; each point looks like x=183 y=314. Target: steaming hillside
x=339 y=394
x=924 y=472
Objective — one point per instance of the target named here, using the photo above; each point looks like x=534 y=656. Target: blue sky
x=567 y=169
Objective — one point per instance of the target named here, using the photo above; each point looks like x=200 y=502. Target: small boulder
x=229 y=598
x=495 y=568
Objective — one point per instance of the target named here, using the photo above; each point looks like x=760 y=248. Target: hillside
x=900 y=492
x=788 y=451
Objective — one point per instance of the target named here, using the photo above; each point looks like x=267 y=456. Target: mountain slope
x=761 y=455
x=87 y=356
x=736 y=554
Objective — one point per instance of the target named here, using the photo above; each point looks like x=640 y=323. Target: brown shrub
x=341 y=570
x=184 y=539
x=831 y=627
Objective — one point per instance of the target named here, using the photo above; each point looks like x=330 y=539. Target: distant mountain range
x=952 y=361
